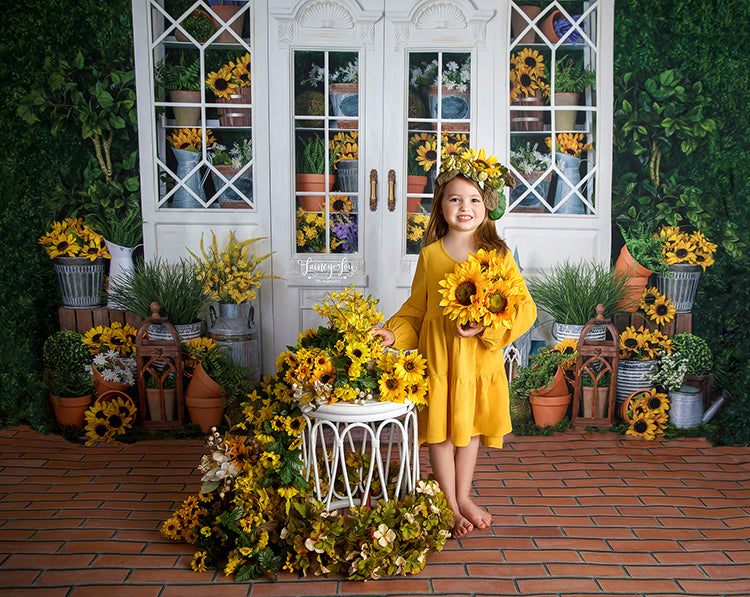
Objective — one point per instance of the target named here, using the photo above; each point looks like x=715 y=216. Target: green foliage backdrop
x=706 y=39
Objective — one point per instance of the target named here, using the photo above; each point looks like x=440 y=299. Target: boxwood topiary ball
x=64 y=351
x=696 y=350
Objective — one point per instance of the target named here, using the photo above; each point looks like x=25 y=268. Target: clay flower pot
x=201 y=386
x=70 y=411
x=549 y=410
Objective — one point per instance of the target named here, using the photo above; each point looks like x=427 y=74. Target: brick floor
x=574 y=514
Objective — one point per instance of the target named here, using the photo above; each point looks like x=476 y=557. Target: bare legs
x=454 y=470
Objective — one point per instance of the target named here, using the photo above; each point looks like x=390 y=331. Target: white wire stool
x=344 y=429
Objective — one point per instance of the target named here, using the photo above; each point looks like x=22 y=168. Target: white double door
x=387 y=39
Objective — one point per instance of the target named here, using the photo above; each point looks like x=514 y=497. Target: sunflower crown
x=485 y=170
x=73 y=238
x=482 y=290
x=681 y=247
x=344 y=363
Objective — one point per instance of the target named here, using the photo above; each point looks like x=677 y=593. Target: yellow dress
x=468 y=388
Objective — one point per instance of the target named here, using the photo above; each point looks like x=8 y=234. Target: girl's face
x=463 y=206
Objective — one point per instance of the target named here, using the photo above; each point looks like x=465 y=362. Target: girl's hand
x=468 y=330
x=388 y=337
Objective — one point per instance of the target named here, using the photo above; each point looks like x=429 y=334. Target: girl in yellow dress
x=468 y=388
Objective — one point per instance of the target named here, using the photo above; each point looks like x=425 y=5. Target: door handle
x=391 y=190
x=373 y=190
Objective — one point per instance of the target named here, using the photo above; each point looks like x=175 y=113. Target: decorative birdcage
x=157 y=361
x=594 y=398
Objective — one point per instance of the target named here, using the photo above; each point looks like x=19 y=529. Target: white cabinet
x=349 y=90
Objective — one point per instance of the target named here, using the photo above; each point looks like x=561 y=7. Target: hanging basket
x=680 y=285
x=81 y=281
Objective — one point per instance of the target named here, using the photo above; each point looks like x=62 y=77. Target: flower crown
x=486 y=171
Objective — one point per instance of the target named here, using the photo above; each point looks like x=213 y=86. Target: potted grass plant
x=570 y=292
x=175 y=286
x=311 y=171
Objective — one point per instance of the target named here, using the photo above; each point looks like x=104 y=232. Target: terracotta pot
x=186 y=115
x=518 y=23
x=565 y=120
x=154 y=404
x=205 y=412
x=225 y=12
x=637 y=279
x=548 y=28
x=601 y=402
x=559 y=385
x=202 y=386
x=625 y=263
x=70 y=411
x=102 y=386
x=415 y=184
x=549 y=410
x=310 y=183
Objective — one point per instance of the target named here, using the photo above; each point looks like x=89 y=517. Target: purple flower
x=345 y=228
x=561 y=26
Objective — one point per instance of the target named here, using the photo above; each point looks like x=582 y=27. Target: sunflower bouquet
x=107 y=420
x=230 y=275
x=482 y=290
x=230 y=78
x=681 y=247
x=646 y=414
x=117 y=336
x=73 y=238
x=643 y=344
x=570 y=144
x=344 y=146
x=344 y=363
x=416 y=224
x=528 y=75
x=190 y=139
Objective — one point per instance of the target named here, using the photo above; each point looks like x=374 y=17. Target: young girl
x=468 y=388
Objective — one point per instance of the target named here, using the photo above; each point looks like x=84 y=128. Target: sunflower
x=199 y=561
x=241 y=71
x=459 y=290
x=655 y=402
x=631 y=343
x=64 y=244
x=427 y=155
x=530 y=61
x=526 y=84
x=93 y=339
x=190 y=139
x=649 y=296
x=568 y=346
x=411 y=367
x=222 y=83
x=680 y=251
x=341 y=203
x=662 y=311
x=643 y=426
x=417 y=392
x=498 y=305
x=392 y=388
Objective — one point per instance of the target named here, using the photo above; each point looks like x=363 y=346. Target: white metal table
x=386 y=432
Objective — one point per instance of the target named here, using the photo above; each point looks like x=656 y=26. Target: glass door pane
x=326 y=145
x=439 y=103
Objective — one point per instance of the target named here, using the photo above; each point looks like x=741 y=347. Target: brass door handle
x=391 y=190
x=373 y=190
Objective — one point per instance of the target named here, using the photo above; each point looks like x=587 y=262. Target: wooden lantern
x=159 y=359
x=595 y=406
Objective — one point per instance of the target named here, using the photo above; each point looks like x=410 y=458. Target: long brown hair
x=485 y=236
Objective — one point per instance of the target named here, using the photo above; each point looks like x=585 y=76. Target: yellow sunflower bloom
x=427 y=155
x=649 y=296
x=662 y=311
x=392 y=388
x=681 y=251
x=530 y=61
x=631 y=343
x=643 y=426
x=222 y=83
x=411 y=367
x=459 y=290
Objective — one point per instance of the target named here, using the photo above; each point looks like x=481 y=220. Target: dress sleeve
x=496 y=339
x=407 y=322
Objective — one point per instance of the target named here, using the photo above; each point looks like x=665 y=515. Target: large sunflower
x=241 y=71
x=459 y=290
x=392 y=388
x=662 y=311
x=530 y=61
x=649 y=296
x=411 y=367
x=222 y=83
x=499 y=302
x=427 y=155
x=681 y=251
x=643 y=426
x=631 y=343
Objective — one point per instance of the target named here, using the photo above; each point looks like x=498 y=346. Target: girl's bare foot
x=477 y=516
x=461 y=526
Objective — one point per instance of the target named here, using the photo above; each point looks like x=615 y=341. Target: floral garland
x=73 y=238
x=482 y=290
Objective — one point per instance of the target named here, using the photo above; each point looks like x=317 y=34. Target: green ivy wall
x=706 y=39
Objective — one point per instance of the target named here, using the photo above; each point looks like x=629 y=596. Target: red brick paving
x=574 y=514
